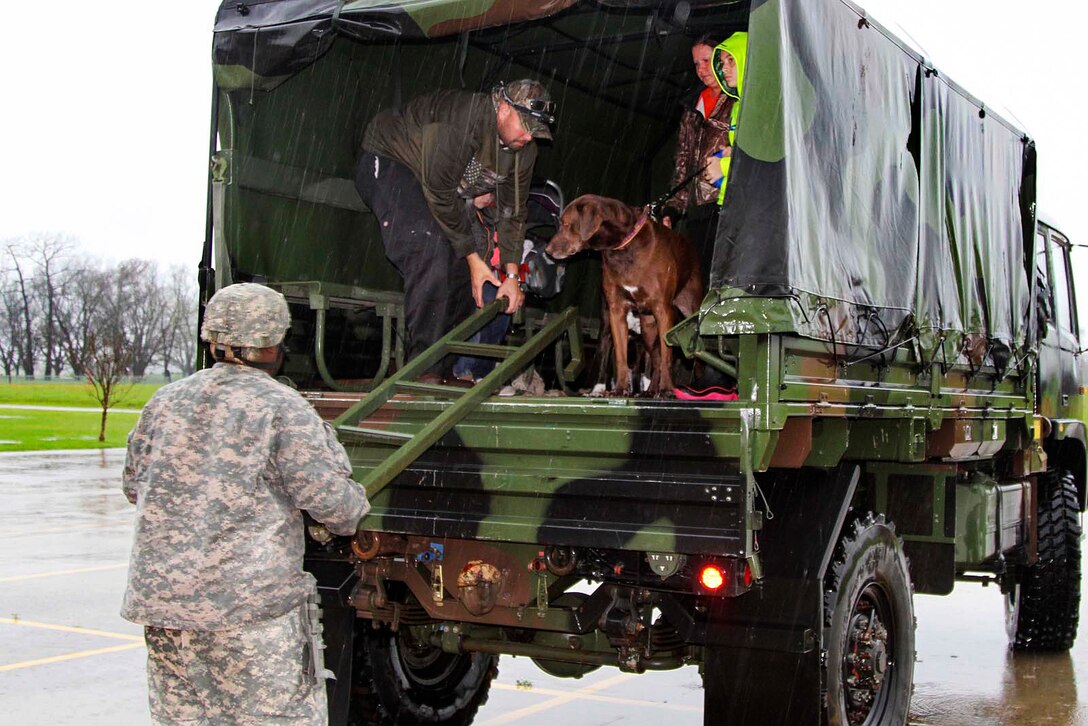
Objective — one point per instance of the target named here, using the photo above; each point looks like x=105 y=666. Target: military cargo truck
x=900 y=326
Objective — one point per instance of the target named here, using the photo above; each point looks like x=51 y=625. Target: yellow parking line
x=582 y=696
x=71 y=629
x=61 y=573
x=69 y=656
x=565 y=697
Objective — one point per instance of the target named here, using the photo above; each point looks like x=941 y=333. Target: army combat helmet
x=242 y=318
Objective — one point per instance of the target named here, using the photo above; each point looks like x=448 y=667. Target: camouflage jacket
x=219 y=465
x=450 y=141
x=698 y=138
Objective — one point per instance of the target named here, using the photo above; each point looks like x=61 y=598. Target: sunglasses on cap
x=535 y=107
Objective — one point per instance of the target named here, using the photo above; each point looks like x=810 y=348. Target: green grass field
x=29 y=430
x=71 y=393
x=23 y=430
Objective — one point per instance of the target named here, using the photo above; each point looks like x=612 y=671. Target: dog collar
x=634 y=232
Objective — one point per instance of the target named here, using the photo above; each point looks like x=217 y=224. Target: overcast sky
x=105 y=127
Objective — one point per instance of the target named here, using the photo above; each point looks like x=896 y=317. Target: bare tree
x=51 y=300
x=84 y=302
x=139 y=293
x=22 y=308
x=10 y=331
x=108 y=358
x=179 y=328
x=48 y=255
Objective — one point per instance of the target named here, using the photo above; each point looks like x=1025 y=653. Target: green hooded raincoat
x=735 y=45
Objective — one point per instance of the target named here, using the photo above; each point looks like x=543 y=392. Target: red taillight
x=747 y=575
x=712 y=578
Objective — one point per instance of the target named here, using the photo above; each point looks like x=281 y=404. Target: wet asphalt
x=67 y=657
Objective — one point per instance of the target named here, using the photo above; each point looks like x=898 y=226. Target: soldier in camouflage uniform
x=219 y=467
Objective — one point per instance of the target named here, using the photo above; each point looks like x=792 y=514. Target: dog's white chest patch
x=630 y=288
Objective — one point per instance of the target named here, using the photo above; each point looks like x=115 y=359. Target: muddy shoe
x=527 y=383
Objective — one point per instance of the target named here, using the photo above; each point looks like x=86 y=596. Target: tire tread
x=1049 y=600
x=367 y=708
x=864 y=531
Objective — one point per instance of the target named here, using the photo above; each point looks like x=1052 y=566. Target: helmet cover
x=246 y=315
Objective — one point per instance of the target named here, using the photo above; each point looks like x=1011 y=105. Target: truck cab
x=1062 y=371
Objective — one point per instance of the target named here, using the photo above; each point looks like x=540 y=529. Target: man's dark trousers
x=437 y=293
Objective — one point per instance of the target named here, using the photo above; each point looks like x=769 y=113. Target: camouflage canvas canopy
x=284 y=36
x=884 y=201
x=870 y=200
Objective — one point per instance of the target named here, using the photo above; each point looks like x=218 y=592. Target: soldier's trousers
x=262 y=673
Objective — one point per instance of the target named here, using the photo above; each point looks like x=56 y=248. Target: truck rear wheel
x=400 y=681
x=1042 y=608
x=869 y=633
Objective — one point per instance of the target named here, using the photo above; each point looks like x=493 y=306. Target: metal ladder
x=465 y=400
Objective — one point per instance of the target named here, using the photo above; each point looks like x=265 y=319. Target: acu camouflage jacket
x=219 y=465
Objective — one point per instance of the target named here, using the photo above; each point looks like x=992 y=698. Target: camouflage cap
x=533 y=103
x=246 y=315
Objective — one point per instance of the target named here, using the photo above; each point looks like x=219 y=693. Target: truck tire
x=869 y=627
x=398 y=682
x=1043 y=606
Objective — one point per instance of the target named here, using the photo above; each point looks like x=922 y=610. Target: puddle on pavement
x=1034 y=689
x=966 y=675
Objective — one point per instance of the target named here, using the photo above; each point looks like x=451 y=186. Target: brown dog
x=648 y=269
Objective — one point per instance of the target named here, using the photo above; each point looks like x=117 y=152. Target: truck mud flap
x=335 y=580
x=762 y=662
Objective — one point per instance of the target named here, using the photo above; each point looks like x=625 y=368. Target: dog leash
x=634 y=232
x=656 y=205
x=653 y=209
